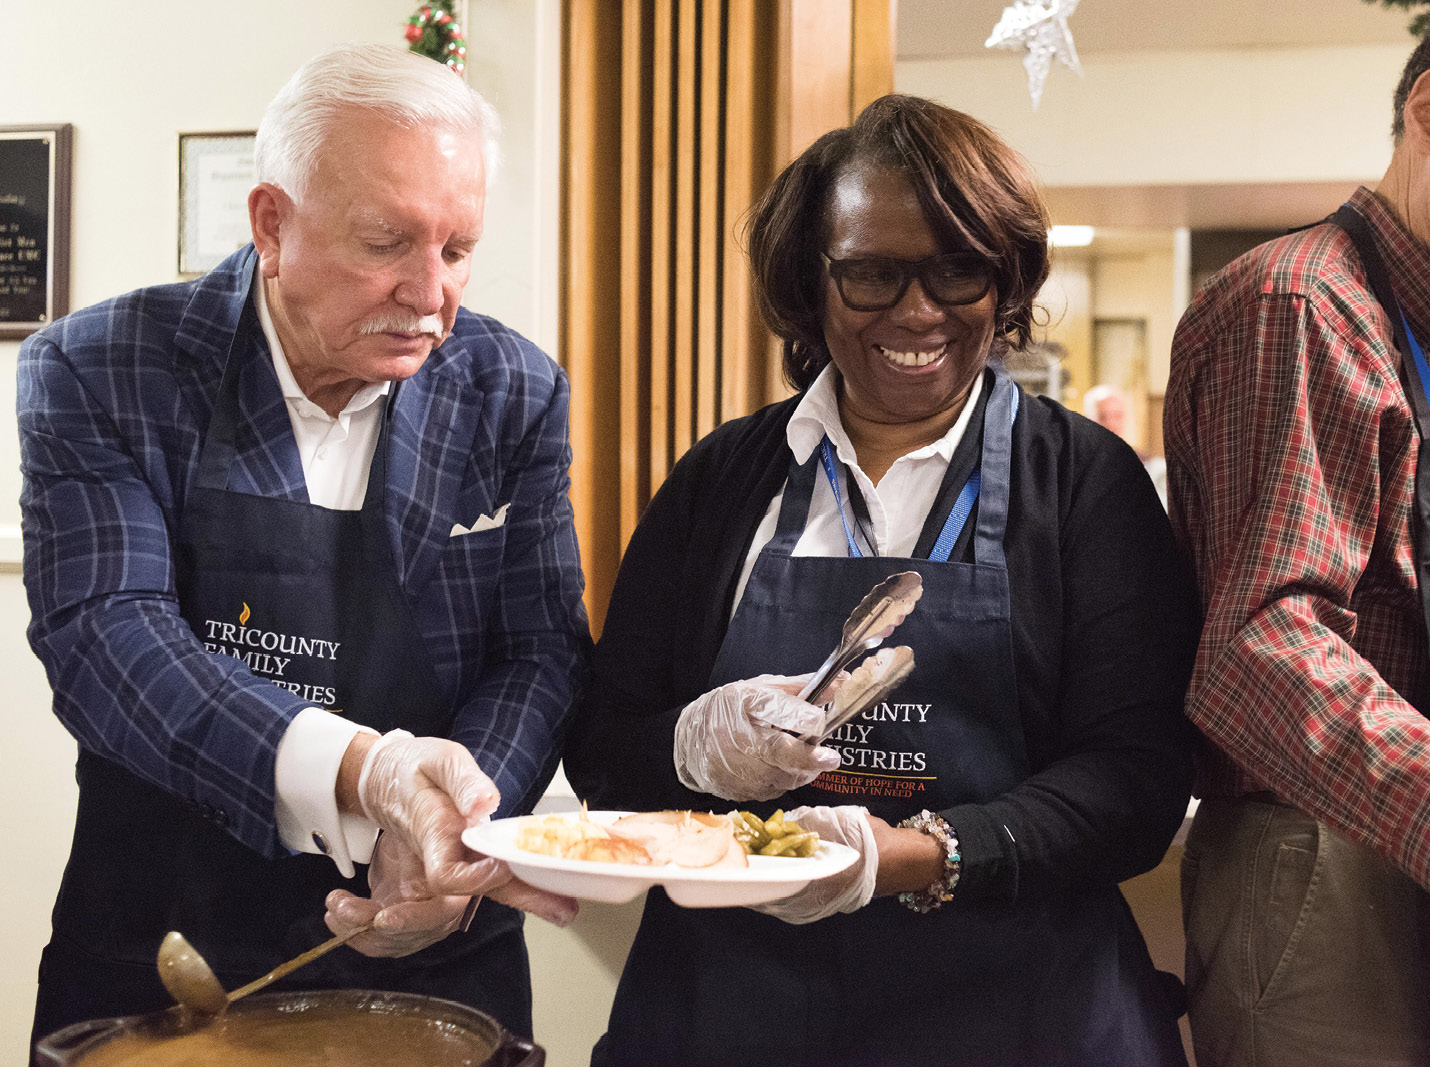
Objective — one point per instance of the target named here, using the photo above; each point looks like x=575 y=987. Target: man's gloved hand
x=732 y=741
x=851 y=888
x=407 y=916
x=425 y=791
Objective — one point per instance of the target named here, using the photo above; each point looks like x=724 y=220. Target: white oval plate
x=766 y=878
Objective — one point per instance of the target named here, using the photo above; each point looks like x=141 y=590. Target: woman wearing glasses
x=1035 y=757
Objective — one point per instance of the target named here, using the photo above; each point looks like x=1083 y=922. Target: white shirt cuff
x=305 y=798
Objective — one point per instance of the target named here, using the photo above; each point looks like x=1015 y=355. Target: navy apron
x=1061 y=982
x=309 y=598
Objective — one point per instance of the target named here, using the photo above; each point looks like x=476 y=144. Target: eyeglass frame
x=911 y=269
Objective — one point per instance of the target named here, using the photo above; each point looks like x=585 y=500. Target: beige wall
x=36 y=819
x=139 y=73
x=1208 y=116
x=1139 y=285
x=147 y=72
x=1066 y=300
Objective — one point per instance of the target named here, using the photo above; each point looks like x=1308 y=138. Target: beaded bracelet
x=940 y=891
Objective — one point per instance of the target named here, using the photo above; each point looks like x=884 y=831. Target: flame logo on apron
x=243 y=615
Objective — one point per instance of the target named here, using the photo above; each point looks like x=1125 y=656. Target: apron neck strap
x=988 y=486
x=377 y=473
x=993 y=472
x=794 y=505
x=216 y=458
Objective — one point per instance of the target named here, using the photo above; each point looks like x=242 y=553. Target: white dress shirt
x=898 y=505
x=337 y=454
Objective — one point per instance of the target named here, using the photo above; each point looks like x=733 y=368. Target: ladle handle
x=297 y=961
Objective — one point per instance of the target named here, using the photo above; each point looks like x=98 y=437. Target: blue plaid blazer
x=113 y=404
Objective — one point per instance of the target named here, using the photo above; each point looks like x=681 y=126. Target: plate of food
x=702 y=860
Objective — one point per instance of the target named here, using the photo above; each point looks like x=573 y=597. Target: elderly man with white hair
x=1110 y=408
x=278 y=521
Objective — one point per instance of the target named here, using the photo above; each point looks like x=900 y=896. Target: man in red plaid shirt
x=1292 y=440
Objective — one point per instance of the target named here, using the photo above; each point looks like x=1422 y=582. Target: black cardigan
x=1104 y=630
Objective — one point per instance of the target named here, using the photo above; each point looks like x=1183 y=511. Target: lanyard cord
x=957 y=517
x=1421 y=367
x=826 y=458
x=962 y=507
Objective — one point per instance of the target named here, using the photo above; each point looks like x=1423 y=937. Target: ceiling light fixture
x=1071 y=236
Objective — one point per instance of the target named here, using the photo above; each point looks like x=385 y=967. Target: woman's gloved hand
x=732 y=741
x=406 y=916
x=851 y=888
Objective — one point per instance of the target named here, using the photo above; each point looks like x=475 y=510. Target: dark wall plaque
x=34 y=227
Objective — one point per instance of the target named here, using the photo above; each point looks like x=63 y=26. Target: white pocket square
x=484 y=522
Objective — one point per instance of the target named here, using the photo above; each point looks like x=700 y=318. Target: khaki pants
x=1303 y=948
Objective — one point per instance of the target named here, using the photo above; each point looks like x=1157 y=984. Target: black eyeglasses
x=878 y=283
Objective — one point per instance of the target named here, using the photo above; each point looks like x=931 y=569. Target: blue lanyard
x=953 y=525
x=826 y=457
x=1421 y=366
x=968 y=495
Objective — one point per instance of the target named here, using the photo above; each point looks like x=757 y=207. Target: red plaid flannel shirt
x=1291 y=460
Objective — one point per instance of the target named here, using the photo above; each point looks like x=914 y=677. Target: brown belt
x=1264 y=796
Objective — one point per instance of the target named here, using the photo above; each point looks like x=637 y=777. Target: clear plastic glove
x=732 y=741
x=851 y=888
x=426 y=791
x=407 y=916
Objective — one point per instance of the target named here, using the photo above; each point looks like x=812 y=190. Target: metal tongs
x=869 y=683
x=868 y=625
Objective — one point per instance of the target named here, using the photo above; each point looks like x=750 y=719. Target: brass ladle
x=192 y=982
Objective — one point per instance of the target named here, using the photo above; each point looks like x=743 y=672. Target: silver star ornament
x=1040 y=31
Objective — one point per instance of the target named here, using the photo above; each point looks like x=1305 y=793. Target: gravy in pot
x=318 y=1035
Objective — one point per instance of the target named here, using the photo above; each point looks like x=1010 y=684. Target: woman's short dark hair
x=976 y=191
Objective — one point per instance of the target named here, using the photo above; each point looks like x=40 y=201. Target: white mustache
x=396 y=323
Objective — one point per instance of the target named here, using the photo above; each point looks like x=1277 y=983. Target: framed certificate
x=34 y=227
x=215 y=176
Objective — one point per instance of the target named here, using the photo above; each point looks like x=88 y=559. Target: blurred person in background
x=1108 y=406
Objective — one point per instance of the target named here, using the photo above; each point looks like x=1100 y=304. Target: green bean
x=791 y=845
x=775 y=836
x=749 y=830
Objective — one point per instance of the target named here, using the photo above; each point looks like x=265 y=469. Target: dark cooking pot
x=70 y=1046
